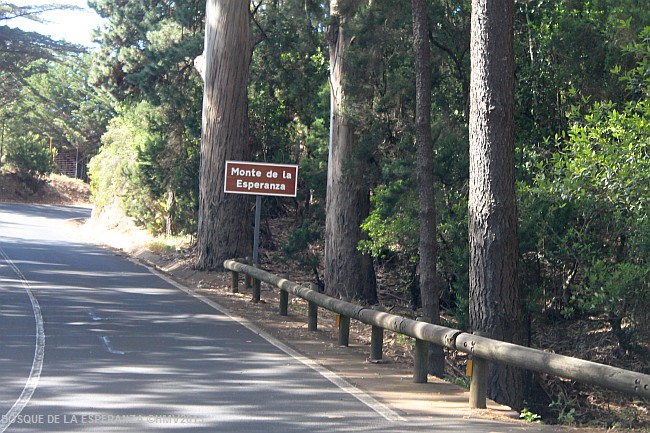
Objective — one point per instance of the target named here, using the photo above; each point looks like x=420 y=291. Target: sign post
x=256 y=232
x=255 y=178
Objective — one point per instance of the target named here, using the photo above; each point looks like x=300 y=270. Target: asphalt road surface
x=91 y=341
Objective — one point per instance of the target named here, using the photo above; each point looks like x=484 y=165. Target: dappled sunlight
x=167 y=354
x=127 y=351
x=73 y=273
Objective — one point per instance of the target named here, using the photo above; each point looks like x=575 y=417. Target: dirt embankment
x=52 y=189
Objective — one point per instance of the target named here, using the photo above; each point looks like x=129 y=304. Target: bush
x=143 y=170
x=587 y=229
x=27 y=154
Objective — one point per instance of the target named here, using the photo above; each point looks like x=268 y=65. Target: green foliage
x=53 y=101
x=300 y=241
x=380 y=87
x=289 y=112
x=71 y=110
x=35 y=101
x=313 y=167
x=461 y=381
x=565 y=413
x=565 y=51
x=29 y=154
x=148 y=48
x=21 y=49
x=628 y=419
x=529 y=416
x=112 y=169
x=122 y=171
x=393 y=224
x=587 y=215
x=146 y=61
x=637 y=80
x=289 y=96
x=164 y=179
x=301 y=237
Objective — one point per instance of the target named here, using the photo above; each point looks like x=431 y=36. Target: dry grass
x=52 y=189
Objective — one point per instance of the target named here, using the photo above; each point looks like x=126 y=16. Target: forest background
x=132 y=110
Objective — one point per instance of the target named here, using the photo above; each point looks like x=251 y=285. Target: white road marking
x=93 y=316
x=377 y=406
x=39 y=352
x=109 y=346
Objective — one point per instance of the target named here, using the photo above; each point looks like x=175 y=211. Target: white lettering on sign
x=261 y=185
x=236 y=171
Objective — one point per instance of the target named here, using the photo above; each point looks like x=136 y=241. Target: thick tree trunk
x=428 y=246
x=348 y=273
x=224 y=229
x=494 y=294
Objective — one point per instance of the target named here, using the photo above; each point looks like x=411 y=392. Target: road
x=91 y=341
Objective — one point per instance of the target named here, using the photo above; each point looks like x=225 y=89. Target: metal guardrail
x=482 y=349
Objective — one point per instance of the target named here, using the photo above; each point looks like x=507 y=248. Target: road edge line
x=365 y=398
x=39 y=352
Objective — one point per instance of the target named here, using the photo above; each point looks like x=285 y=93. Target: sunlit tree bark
x=348 y=273
x=224 y=229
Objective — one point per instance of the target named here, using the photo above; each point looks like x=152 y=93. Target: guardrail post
x=344 y=330
x=313 y=317
x=376 y=343
x=421 y=365
x=478 y=384
x=234 y=286
x=421 y=355
x=312 y=313
x=257 y=290
x=284 y=303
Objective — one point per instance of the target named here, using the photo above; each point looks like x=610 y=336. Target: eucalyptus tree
x=224 y=229
x=272 y=107
x=348 y=272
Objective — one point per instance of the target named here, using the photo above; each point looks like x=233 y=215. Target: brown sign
x=261 y=179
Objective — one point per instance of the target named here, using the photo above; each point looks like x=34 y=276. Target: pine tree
x=494 y=293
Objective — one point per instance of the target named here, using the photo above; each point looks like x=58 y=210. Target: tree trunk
x=224 y=228
x=2 y=139
x=494 y=294
x=428 y=246
x=170 y=212
x=348 y=273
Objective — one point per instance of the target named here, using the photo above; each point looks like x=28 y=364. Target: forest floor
x=593 y=409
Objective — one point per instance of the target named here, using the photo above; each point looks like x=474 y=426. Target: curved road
x=90 y=341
